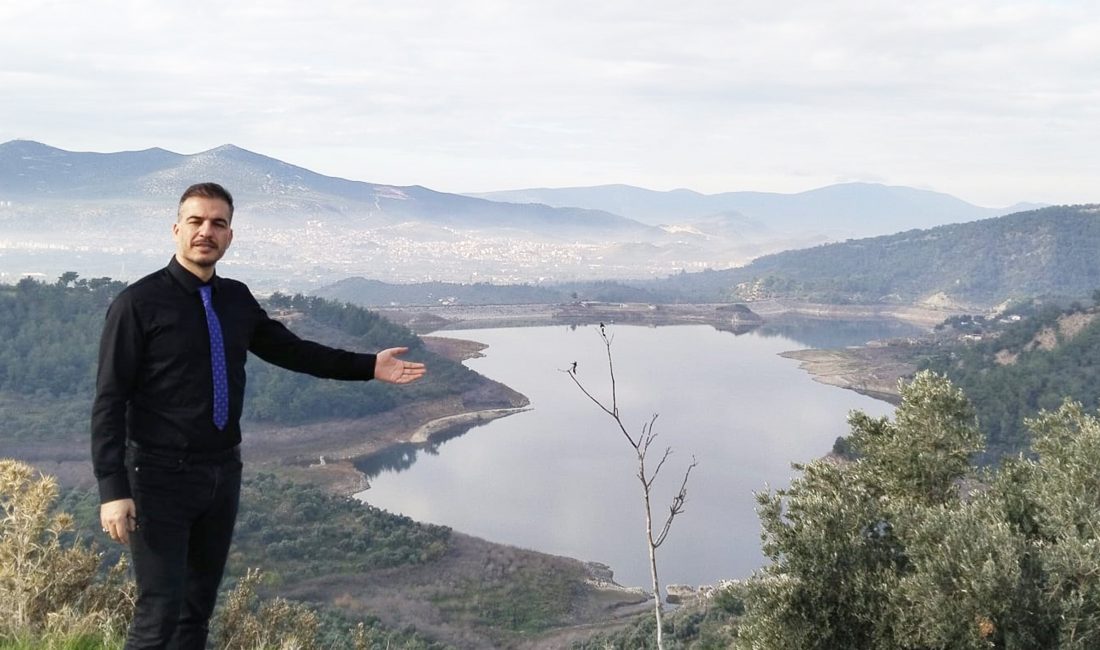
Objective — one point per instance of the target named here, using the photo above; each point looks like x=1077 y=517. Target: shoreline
x=869 y=370
x=428 y=320
x=325 y=453
x=853 y=369
x=429 y=430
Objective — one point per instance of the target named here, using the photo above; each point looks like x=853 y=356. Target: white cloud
x=992 y=101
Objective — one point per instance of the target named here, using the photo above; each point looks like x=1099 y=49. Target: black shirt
x=155 y=385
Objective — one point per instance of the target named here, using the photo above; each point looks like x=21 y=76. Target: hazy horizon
x=991 y=102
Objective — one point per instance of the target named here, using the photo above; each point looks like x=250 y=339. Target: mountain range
x=849 y=209
x=110 y=214
x=31 y=170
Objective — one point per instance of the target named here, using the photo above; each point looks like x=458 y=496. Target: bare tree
x=641 y=444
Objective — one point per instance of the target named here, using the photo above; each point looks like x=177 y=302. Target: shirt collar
x=188 y=280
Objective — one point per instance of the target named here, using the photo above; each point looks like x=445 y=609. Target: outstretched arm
x=390 y=369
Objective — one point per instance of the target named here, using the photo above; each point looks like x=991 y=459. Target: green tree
x=837 y=536
x=909 y=546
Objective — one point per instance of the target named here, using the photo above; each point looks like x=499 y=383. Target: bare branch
x=677 y=504
x=611 y=371
x=647 y=437
x=573 y=375
x=660 y=464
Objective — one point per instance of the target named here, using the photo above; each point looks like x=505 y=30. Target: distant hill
x=31 y=170
x=108 y=214
x=1031 y=358
x=1050 y=251
x=848 y=209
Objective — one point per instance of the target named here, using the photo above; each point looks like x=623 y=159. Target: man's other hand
x=390 y=369
x=119 y=519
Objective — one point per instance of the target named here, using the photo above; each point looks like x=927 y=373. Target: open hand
x=390 y=369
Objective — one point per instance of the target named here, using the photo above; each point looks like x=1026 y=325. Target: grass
x=530 y=601
x=61 y=641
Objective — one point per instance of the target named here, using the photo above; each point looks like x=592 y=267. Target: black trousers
x=186 y=508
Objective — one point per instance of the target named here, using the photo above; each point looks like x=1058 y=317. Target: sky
x=993 y=101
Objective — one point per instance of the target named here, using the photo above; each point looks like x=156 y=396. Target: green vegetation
x=532 y=599
x=49 y=341
x=1034 y=253
x=245 y=621
x=910 y=546
x=276 y=395
x=1016 y=368
x=49 y=337
x=479 y=595
x=296 y=531
x=57 y=593
x=907 y=546
x=298 y=534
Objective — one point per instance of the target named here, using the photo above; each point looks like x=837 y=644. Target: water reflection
x=401 y=456
x=397 y=458
x=825 y=334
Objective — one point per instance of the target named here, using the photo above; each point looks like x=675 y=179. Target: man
x=166 y=417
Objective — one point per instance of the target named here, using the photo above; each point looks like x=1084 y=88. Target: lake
x=560 y=478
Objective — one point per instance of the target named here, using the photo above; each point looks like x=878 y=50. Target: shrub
x=47 y=586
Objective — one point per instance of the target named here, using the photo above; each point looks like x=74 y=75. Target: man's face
x=202 y=231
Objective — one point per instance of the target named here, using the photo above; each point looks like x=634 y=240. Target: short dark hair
x=209 y=191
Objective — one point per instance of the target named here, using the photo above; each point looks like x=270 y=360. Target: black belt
x=187 y=455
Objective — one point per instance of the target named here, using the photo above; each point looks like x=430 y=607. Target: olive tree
x=909 y=546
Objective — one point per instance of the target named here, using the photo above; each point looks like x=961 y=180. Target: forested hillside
x=1051 y=251
x=1011 y=371
x=49 y=337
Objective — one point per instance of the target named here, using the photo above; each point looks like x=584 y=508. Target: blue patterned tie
x=217 y=361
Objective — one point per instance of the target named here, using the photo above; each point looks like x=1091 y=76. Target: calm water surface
x=560 y=478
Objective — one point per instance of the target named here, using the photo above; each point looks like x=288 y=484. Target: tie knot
x=204 y=291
